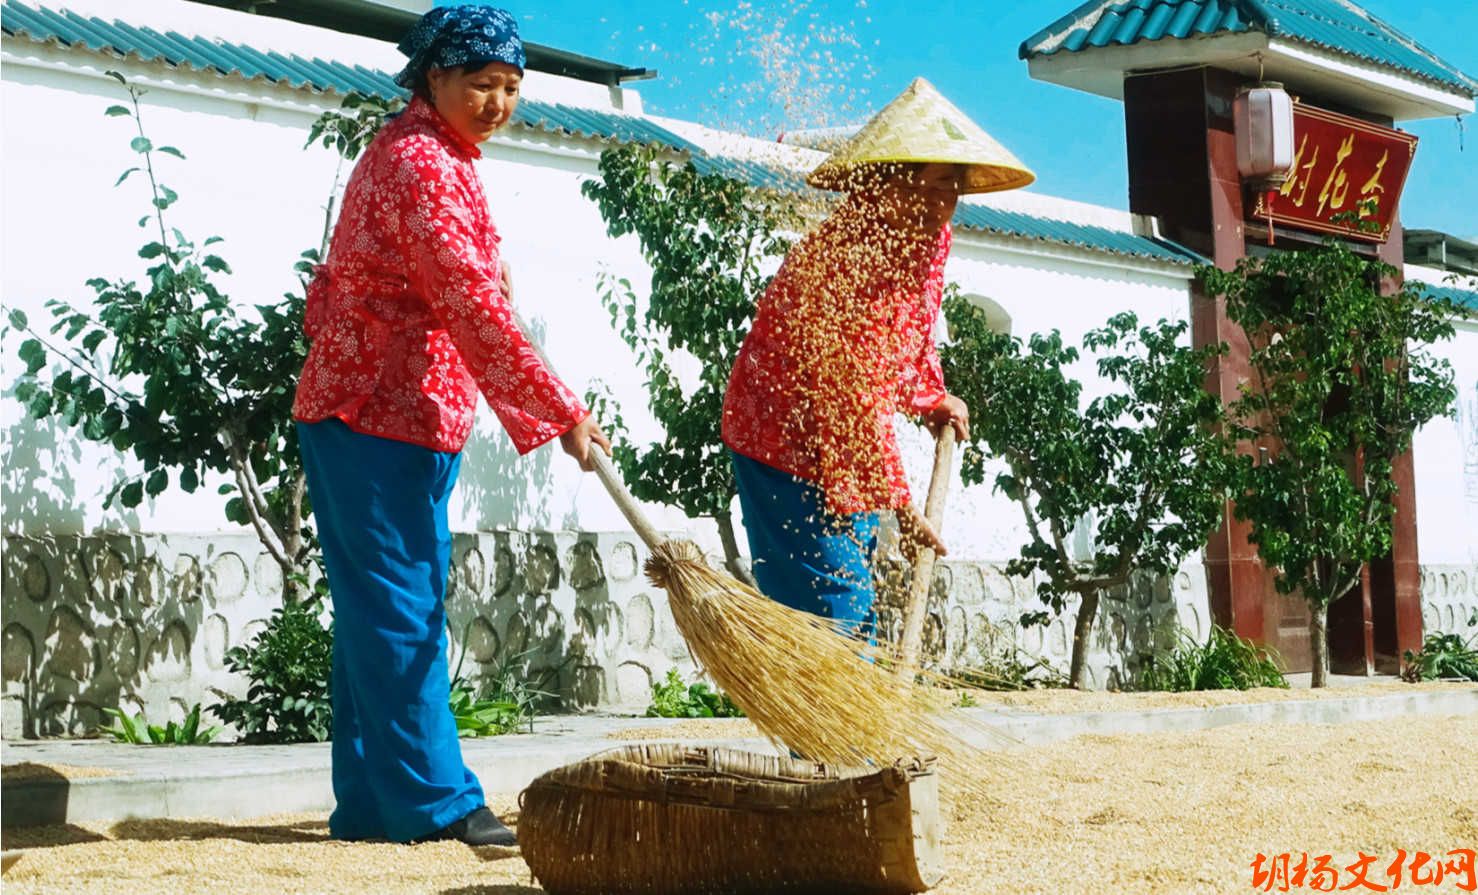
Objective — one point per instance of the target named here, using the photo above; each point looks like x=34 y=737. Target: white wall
x=1446 y=455
x=1070 y=291
x=249 y=180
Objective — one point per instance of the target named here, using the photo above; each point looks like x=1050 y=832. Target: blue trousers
x=381 y=510
x=805 y=556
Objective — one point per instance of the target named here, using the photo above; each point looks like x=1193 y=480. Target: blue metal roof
x=969 y=216
x=1462 y=297
x=981 y=218
x=118 y=38
x=1335 y=25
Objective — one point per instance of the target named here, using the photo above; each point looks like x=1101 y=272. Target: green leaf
x=158 y=481
x=116 y=76
x=189 y=479
x=18 y=318
x=132 y=494
x=141 y=144
x=171 y=151
x=124 y=176
x=115 y=111
x=165 y=198
x=33 y=354
x=92 y=340
x=130 y=728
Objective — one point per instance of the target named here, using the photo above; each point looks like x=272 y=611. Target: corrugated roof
x=982 y=218
x=1335 y=25
x=1462 y=297
x=970 y=216
x=120 y=39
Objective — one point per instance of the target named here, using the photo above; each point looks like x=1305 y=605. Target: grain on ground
x=1160 y=814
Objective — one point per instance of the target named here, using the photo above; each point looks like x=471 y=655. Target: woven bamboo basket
x=667 y=819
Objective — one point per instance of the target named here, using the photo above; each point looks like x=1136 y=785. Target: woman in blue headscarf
x=409 y=321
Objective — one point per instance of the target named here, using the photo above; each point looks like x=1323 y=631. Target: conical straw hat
x=922 y=126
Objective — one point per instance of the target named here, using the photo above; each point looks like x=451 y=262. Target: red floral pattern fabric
x=842 y=340
x=407 y=316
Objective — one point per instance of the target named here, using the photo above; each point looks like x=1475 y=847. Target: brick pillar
x=1183 y=170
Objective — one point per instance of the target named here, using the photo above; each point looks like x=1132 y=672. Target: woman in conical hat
x=409 y=319
x=840 y=343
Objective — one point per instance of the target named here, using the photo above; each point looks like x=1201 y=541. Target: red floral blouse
x=407 y=316
x=841 y=342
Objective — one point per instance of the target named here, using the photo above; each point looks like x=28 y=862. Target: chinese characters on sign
x=1344 y=171
x=1286 y=872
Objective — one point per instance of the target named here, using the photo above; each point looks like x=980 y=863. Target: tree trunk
x=1319 y=642
x=1082 y=630
x=731 y=550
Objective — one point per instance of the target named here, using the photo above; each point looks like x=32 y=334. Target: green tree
x=706 y=238
x=1143 y=464
x=171 y=371
x=1341 y=379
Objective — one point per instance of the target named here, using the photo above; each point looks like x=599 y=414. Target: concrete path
x=115 y=781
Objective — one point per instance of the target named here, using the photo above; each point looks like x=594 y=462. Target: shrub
x=1224 y=662
x=289 y=665
x=672 y=698
x=509 y=702
x=140 y=732
x=1441 y=656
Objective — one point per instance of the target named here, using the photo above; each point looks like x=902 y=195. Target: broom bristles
x=811 y=688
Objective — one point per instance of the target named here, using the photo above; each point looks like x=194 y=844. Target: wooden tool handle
x=606 y=472
x=603 y=469
x=911 y=643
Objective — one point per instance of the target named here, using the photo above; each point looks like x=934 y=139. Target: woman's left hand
x=950 y=412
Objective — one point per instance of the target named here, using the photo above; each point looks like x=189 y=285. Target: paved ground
x=62 y=781
x=1162 y=812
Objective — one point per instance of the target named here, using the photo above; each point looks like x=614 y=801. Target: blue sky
x=835 y=61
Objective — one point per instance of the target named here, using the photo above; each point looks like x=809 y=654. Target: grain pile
x=28 y=770
x=1159 y=813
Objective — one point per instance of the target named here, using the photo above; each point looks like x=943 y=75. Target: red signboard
x=1346 y=173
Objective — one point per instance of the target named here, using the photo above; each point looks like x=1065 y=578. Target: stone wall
x=143 y=622
x=1450 y=599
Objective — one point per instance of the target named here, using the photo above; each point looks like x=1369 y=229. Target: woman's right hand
x=916 y=534
x=577 y=441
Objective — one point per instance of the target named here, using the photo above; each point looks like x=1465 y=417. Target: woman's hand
x=576 y=442
x=950 y=412
x=505 y=276
x=915 y=534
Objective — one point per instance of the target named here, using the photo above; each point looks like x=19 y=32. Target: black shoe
x=481 y=827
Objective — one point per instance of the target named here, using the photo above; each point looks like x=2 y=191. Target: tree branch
x=256 y=508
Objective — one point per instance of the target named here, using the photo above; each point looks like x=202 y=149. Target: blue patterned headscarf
x=450 y=36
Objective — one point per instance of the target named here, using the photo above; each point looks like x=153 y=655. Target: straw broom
x=801 y=681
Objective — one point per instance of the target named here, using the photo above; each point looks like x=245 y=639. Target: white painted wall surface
x=1446 y=453
x=248 y=179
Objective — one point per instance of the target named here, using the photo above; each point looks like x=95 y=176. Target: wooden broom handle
x=923 y=570
x=604 y=470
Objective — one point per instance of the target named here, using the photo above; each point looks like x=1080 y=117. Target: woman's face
x=475 y=103
x=921 y=197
